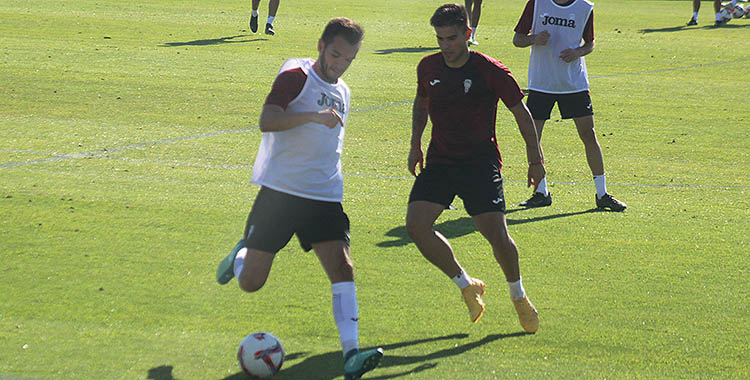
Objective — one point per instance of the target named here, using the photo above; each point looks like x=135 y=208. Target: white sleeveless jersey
x=306 y=160
x=547 y=71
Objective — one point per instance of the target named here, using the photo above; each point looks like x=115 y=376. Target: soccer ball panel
x=260 y=354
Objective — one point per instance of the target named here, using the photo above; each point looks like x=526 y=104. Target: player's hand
x=536 y=173
x=569 y=55
x=330 y=117
x=416 y=158
x=541 y=38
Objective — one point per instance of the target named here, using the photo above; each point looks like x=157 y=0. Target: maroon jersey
x=463 y=106
x=527 y=18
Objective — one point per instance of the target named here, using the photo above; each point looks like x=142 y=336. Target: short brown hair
x=450 y=15
x=344 y=27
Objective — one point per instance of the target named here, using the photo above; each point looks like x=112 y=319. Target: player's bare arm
x=570 y=55
x=534 y=153
x=523 y=40
x=419 y=116
x=273 y=118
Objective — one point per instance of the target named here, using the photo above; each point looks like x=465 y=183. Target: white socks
x=239 y=261
x=461 y=279
x=346 y=314
x=270 y=19
x=516 y=289
x=255 y=13
x=542 y=187
x=601 y=185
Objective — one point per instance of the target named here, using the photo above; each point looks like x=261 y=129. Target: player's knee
x=416 y=229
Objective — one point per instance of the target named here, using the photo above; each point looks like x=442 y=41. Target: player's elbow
x=518 y=40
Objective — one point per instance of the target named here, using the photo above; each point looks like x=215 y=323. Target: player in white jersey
x=560 y=33
x=298 y=168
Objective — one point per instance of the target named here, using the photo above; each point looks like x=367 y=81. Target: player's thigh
x=321 y=221
x=482 y=188
x=540 y=104
x=575 y=105
x=272 y=220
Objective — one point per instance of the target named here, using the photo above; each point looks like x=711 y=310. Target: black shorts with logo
x=540 y=104
x=276 y=216
x=480 y=186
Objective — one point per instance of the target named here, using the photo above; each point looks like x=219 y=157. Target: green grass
x=129 y=130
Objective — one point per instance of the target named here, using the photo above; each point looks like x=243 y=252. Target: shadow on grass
x=465 y=225
x=330 y=365
x=685 y=27
x=419 y=49
x=163 y=372
x=215 y=41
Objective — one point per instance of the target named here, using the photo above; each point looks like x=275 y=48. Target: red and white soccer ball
x=260 y=354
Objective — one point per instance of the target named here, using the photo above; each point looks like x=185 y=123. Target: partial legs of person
x=595 y=159
x=420 y=218
x=273 y=6
x=542 y=196
x=717 y=9
x=336 y=260
x=696 y=8
x=474 y=11
x=494 y=228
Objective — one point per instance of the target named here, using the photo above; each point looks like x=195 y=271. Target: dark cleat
x=269 y=30
x=253 y=23
x=609 y=202
x=537 y=200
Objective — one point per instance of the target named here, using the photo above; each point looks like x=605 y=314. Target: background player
x=557 y=74
x=273 y=6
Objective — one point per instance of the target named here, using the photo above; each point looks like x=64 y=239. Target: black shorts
x=480 y=186
x=571 y=105
x=276 y=216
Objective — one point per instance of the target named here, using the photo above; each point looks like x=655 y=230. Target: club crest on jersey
x=329 y=102
x=559 y=21
x=467 y=85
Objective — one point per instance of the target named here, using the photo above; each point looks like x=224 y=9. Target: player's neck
x=564 y=2
x=460 y=61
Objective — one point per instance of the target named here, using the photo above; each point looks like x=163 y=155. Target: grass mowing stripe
x=61 y=157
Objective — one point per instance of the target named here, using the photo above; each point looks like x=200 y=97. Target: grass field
x=129 y=129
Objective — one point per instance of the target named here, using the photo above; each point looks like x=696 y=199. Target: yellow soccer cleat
x=472 y=295
x=527 y=314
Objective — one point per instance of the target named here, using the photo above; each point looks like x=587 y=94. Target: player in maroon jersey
x=458 y=90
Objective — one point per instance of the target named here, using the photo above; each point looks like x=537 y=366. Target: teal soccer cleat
x=225 y=271
x=357 y=363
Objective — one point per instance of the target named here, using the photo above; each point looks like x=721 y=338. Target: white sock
x=270 y=20
x=346 y=314
x=516 y=289
x=461 y=279
x=542 y=188
x=473 y=33
x=239 y=261
x=718 y=16
x=733 y=3
x=255 y=13
x=695 y=16
x=601 y=185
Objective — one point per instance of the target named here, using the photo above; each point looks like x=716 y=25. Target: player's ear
x=321 y=46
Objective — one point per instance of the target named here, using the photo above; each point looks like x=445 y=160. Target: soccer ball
x=725 y=15
x=738 y=11
x=260 y=354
